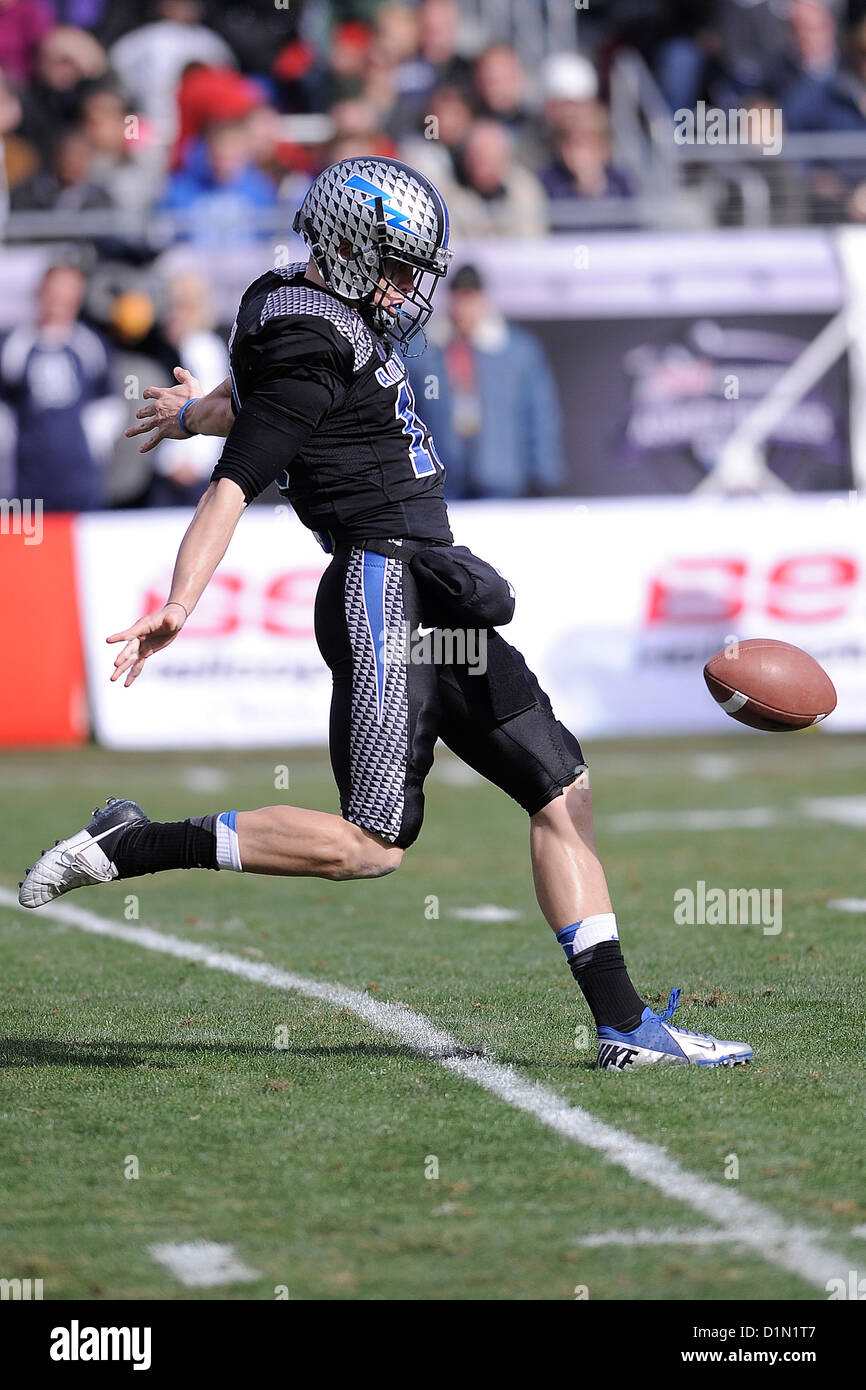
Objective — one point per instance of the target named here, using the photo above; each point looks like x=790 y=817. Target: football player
x=319 y=400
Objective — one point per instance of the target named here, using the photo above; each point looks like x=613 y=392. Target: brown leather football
x=770 y=685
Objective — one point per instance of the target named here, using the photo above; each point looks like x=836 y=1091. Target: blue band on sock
x=228 y=853
x=589 y=931
x=565 y=937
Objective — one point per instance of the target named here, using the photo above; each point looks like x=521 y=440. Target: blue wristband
x=184 y=407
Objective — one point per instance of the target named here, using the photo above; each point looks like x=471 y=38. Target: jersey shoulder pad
x=303 y=301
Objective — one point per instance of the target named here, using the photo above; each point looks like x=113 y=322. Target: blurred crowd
x=216 y=112
x=207 y=119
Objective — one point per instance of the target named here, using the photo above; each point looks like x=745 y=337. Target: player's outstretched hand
x=150 y=634
x=165 y=405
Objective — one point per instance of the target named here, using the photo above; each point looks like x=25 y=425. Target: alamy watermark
x=719 y=907
x=20 y=1290
x=403 y=645
x=711 y=125
x=21 y=516
x=77 y=1343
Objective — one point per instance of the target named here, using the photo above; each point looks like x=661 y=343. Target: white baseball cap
x=568 y=77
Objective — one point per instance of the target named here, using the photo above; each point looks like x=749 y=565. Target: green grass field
x=311 y=1159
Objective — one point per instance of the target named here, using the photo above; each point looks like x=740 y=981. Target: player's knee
x=358 y=853
x=570 y=803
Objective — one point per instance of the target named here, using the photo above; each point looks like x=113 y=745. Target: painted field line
x=201 y=1264
x=486 y=912
x=792 y=1248
x=837 y=810
x=701 y=819
x=668 y=1236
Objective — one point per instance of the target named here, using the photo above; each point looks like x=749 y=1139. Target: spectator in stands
x=438 y=43
x=749 y=45
x=567 y=82
x=68 y=59
x=127 y=163
x=438 y=62
x=182 y=469
x=678 y=49
x=208 y=94
x=23 y=24
x=500 y=84
x=820 y=94
x=395 y=33
x=260 y=33
x=723 y=51
x=68 y=185
x=51 y=371
x=151 y=59
x=10 y=107
x=496 y=196
x=452 y=115
x=123 y=300
x=18 y=159
x=488 y=395
x=582 y=167
x=437 y=151
x=389 y=68
x=296 y=77
x=357 y=131
x=347 y=60
x=220 y=186
x=827 y=92
x=380 y=86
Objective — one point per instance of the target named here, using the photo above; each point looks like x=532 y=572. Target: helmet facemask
x=376 y=269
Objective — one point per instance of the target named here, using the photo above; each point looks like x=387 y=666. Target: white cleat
x=82 y=860
x=655 y=1042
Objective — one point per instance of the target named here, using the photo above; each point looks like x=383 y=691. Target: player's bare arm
x=203 y=546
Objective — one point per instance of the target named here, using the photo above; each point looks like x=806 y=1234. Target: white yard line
x=793 y=1248
x=486 y=912
x=749 y=818
x=200 y=1264
x=668 y=1236
x=835 y=810
x=839 y=810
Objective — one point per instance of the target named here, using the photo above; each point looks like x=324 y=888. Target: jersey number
x=425 y=459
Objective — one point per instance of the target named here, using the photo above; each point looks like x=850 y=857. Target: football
x=770 y=685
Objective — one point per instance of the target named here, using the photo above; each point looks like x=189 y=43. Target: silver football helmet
x=364 y=217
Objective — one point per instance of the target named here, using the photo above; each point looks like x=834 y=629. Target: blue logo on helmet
x=394 y=217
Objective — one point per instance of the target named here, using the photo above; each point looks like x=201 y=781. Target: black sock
x=601 y=974
x=151 y=846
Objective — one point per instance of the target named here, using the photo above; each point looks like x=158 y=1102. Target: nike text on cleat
x=82 y=860
x=656 y=1042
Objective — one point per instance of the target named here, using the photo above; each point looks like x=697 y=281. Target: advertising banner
x=660 y=344
x=619 y=604
x=245 y=670
x=44 y=699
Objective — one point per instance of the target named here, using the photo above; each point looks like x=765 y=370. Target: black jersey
x=325 y=409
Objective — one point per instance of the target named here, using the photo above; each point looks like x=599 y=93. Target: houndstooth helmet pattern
x=378 y=209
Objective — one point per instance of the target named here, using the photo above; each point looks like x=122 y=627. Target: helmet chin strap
x=418 y=334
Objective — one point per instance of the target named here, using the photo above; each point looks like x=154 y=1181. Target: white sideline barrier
x=619 y=603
